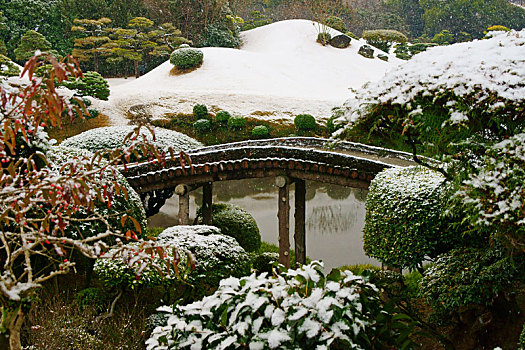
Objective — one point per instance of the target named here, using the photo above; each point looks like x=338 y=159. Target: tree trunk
x=136 y=63
x=15 y=327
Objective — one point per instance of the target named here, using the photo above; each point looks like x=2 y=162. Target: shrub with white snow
x=112 y=137
x=297 y=309
x=468 y=91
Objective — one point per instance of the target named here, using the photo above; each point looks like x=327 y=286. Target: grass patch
x=358 y=269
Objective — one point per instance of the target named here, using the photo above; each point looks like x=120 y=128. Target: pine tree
x=29 y=43
x=95 y=35
x=133 y=43
x=169 y=38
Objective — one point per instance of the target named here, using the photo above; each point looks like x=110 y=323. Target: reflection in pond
x=334 y=216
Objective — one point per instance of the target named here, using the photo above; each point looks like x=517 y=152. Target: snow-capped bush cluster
x=495 y=192
x=216 y=256
x=446 y=95
x=404 y=221
x=297 y=309
x=58 y=156
x=186 y=57
x=112 y=137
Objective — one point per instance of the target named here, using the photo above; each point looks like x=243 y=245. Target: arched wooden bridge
x=289 y=160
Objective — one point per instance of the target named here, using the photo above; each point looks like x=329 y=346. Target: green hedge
x=336 y=23
x=236 y=122
x=200 y=111
x=383 y=39
x=235 y=222
x=222 y=117
x=186 y=57
x=404 y=221
x=305 y=122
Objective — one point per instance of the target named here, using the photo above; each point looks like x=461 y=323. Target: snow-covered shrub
x=186 y=57
x=111 y=137
x=222 y=117
x=221 y=35
x=236 y=122
x=260 y=131
x=90 y=84
x=443 y=97
x=469 y=276
x=336 y=23
x=216 y=256
x=494 y=192
x=296 y=309
x=404 y=221
x=121 y=204
x=383 y=39
x=202 y=126
x=200 y=111
x=235 y=222
x=127 y=275
x=305 y=122
x=7 y=67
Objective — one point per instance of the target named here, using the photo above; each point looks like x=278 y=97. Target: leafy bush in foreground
x=296 y=309
x=186 y=57
x=404 y=221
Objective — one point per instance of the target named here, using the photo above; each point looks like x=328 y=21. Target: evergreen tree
x=95 y=35
x=30 y=42
x=169 y=37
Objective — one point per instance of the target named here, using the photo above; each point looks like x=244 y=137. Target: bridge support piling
x=184 y=204
x=283 y=215
x=300 y=218
x=207 y=192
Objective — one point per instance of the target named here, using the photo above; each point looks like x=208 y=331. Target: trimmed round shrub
x=305 y=122
x=236 y=222
x=498 y=28
x=470 y=276
x=132 y=205
x=324 y=38
x=90 y=84
x=200 y=111
x=383 y=39
x=222 y=117
x=186 y=57
x=260 y=131
x=404 y=221
x=296 y=309
x=335 y=23
x=202 y=126
x=216 y=256
x=444 y=37
x=112 y=137
x=236 y=122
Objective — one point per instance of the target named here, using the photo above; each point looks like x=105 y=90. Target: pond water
x=334 y=216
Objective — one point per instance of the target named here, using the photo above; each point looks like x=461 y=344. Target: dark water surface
x=334 y=216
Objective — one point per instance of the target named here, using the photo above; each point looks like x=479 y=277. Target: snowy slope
x=280 y=70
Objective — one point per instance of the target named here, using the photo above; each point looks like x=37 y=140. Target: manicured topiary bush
x=260 y=131
x=444 y=37
x=186 y=57
x=404 y=221
x=305 y=122
x=296 y=309
x=470 y=276
x=236 y=122
x=383 y=39
x=202 y=126
x=222 y=117
x=90 y=84
x=236 y=222
x=217 y=256
x=200 y=111
x=112 y=137
x=336 y=23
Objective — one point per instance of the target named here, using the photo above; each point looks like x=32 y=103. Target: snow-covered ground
x=279 y=72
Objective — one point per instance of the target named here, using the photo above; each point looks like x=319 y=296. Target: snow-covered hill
x=280 y=71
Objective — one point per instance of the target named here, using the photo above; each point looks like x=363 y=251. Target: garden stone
x=340 y=41
x=383 y=57
x=366 y=51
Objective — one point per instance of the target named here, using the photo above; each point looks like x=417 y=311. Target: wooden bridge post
x=207 y=192
x=184 y=204
x=300 y=218
x=283 y=214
